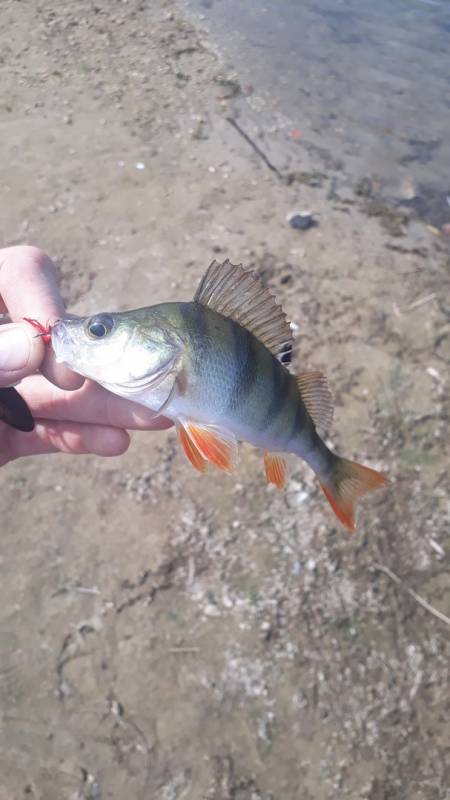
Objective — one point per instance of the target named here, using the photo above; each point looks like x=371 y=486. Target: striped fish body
x=230 y=379
x=217 y=367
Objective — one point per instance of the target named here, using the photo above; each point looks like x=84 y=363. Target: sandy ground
x=169 y=636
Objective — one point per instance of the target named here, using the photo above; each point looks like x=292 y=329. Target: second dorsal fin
x=317 y=397
x=230 y=290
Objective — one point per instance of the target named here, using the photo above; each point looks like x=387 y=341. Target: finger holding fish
x=91 y=403
x=53 y=436
x=28 y=288
x=21 y=353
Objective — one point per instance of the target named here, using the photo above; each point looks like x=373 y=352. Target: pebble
x=408 y=189
x=302 y=222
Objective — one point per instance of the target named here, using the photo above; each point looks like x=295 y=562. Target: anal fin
x=276 y=469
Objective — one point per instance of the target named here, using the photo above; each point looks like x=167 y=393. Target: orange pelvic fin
x=192 y=452
x=350 y=481
x=276 y=469
x=214 y=444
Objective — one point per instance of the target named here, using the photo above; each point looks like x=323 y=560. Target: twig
x=74 y=588
x=255 y=147
x=117 y=709
x=438 y=614
x=420 y=301
x=437 y=548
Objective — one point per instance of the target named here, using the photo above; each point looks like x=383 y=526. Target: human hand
x=72 y=415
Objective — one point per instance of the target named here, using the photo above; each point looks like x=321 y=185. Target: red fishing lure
x=44 y=330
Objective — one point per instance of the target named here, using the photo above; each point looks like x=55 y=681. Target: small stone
x=301 y=497
x=211 y=610
x=408 y=189
x=302 y=222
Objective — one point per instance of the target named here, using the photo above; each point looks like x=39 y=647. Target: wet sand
x=367 y=83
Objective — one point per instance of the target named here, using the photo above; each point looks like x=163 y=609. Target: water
x=367 y=83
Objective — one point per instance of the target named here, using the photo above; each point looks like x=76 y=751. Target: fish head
x=127 y=351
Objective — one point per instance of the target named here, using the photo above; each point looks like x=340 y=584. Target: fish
x=219 y=368
x=14 y=411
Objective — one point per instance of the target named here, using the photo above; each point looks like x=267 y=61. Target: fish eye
x=98 y=327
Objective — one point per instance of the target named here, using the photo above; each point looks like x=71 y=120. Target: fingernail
x=15 y=348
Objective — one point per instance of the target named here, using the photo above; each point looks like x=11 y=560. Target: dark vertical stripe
x=246 y=358
x=281 y=379
x=301 y=421
x=195 y=318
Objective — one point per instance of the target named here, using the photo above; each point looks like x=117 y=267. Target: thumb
x=21 y=352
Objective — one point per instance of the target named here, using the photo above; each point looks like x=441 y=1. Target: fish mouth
x=61 y=340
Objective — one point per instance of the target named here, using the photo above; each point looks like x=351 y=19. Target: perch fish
x=217 y=367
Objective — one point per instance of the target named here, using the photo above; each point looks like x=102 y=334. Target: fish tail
x=345 y=483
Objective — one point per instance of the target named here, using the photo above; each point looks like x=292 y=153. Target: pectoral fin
x=204 y=443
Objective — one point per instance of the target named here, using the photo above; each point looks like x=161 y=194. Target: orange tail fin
x=348 y=482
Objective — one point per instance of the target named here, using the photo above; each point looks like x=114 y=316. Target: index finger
x=28 y=288
x=91 y=404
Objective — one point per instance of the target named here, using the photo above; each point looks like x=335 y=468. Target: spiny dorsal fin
x=241 y=296
x=317 y=397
